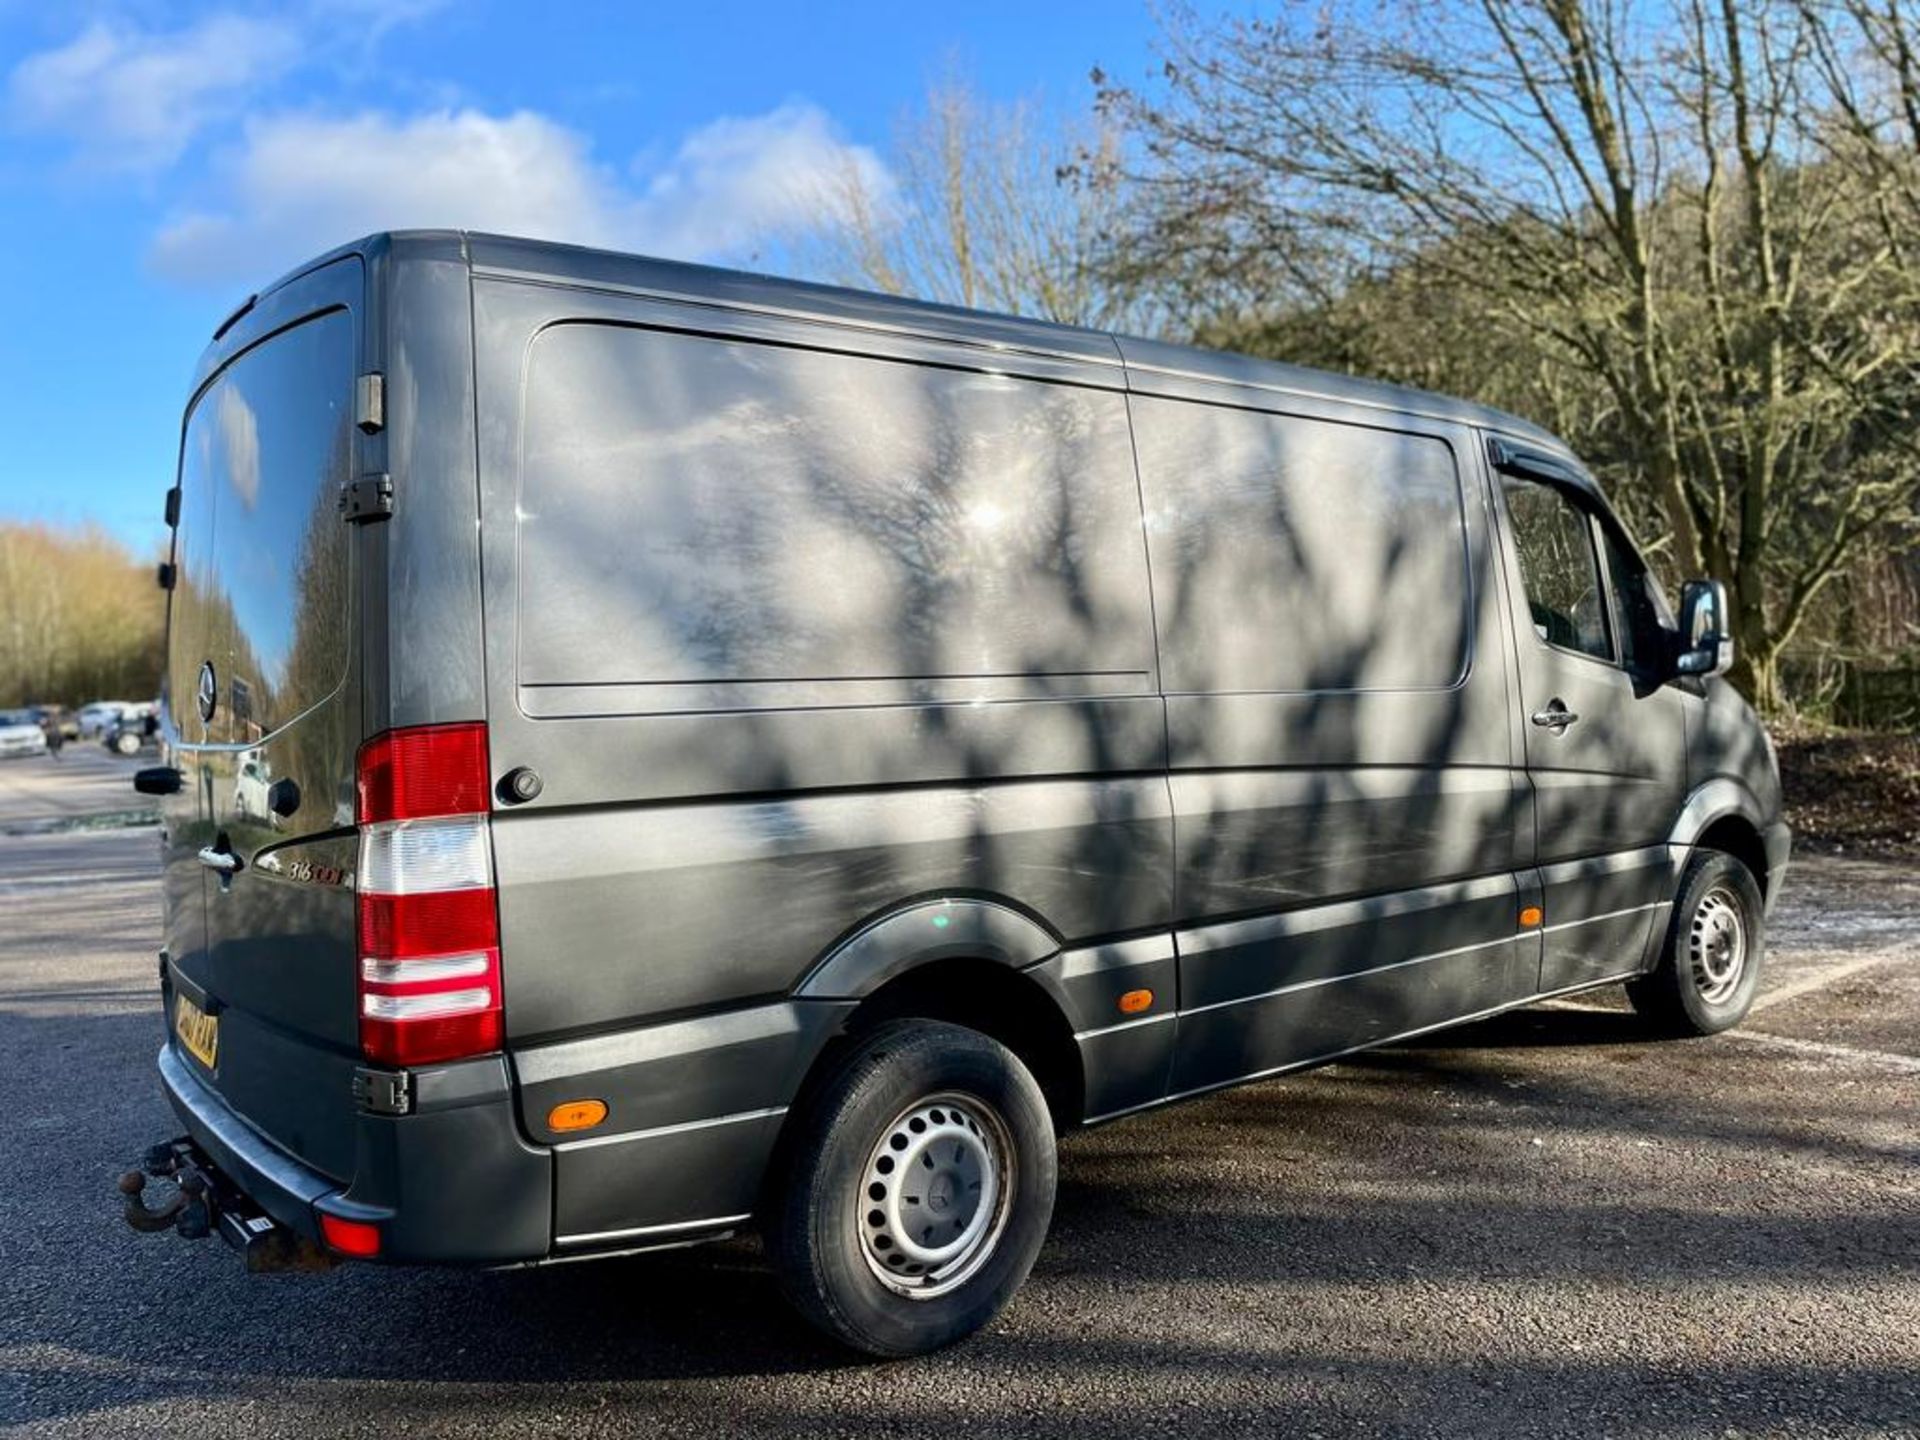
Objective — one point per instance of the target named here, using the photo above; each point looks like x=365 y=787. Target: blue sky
x=159 y=161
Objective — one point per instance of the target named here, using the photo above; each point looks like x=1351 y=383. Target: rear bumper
x=450 y=1183
x=273 y=1180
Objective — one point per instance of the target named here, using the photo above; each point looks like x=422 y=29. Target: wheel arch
x=968 y=961
x=1723 y=815
x=1735 y=835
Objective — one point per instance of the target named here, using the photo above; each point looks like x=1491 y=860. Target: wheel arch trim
x=1716 y=800
x=920 y=934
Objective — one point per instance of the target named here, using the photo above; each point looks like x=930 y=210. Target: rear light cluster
x=429 y=951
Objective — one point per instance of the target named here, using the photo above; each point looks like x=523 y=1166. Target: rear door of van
x=264 y=718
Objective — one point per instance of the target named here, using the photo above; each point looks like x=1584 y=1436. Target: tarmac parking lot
x=1547 y=1223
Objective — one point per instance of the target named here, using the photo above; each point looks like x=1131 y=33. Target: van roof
x=555 y=262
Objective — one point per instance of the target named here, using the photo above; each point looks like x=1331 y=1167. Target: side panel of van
x=797 y=623
x=1348 y=806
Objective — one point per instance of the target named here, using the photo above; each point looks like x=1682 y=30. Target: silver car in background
x=20 y=734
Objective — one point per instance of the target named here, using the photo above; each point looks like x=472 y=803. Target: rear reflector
x=429 y=976
x=350 y=1237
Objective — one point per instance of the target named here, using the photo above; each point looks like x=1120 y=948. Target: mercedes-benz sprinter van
x=654 y=751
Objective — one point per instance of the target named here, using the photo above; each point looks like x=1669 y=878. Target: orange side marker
x=577 y=1115
x=1531 y=916
x=1134 y=1001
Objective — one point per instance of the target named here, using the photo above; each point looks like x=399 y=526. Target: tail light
x=429 y=951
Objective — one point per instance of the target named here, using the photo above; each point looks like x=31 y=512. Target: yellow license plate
x=198 y=1031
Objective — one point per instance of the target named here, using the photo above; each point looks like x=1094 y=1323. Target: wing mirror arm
x=1705 y=642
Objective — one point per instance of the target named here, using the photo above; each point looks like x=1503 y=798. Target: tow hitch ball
x=185 y=1209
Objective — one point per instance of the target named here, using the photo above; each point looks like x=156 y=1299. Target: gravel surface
x=1543 y=1224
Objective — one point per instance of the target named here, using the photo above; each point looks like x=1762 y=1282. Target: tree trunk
x=1756 y=666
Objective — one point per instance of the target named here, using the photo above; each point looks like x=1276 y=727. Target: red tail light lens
x=429 y=976
x=422 y=772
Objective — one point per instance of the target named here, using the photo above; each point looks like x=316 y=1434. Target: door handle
x=1556 y=717
x=222 y=860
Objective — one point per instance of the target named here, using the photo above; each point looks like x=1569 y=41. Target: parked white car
x=20 y=734
x=250 y=788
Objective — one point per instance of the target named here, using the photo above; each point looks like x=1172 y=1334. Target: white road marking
x=1827 y=1051
x=1831 y=975
x=91 y=880
x=1806 y=985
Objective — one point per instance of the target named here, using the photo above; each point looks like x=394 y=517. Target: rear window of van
x=261 y=553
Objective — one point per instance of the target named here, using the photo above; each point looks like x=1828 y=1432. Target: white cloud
x=374 y=18
x=298 y=184
x=240 y=437
x=133 y=100
x=737 y=182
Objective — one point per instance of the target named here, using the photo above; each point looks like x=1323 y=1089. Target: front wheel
x=126 y=743
x=917 y=1191
x=1709 y=969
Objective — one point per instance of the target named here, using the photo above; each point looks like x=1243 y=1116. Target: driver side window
x=1564 y=596
x=1638 y=608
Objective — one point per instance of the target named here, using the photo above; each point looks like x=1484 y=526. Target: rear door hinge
x=383 y=1092
x=370 y=403
x=368 y=498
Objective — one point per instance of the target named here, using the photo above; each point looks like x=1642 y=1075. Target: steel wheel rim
x=1717 y=945
x=935 y=1195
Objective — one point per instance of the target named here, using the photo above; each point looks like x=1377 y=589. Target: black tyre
x=1709 y=970
x=126 y=743
x=917 y=1189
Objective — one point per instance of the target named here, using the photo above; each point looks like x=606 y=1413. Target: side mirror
x=157 y=780
x=1706 y=640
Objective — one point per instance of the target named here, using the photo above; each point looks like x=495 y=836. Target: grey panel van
x=654 y=751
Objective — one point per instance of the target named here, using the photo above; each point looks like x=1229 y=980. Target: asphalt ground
x=87 y=785
x=1543 y=1224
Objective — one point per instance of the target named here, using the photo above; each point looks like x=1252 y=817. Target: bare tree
x=991 y=206
x=80 y=619
x=1645 y=207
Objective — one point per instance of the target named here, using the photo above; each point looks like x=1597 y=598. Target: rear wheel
x=918 y=1189
x=1709 y=971
x=126 y=743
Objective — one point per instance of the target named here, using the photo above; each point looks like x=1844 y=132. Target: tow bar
x=199 y=1200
